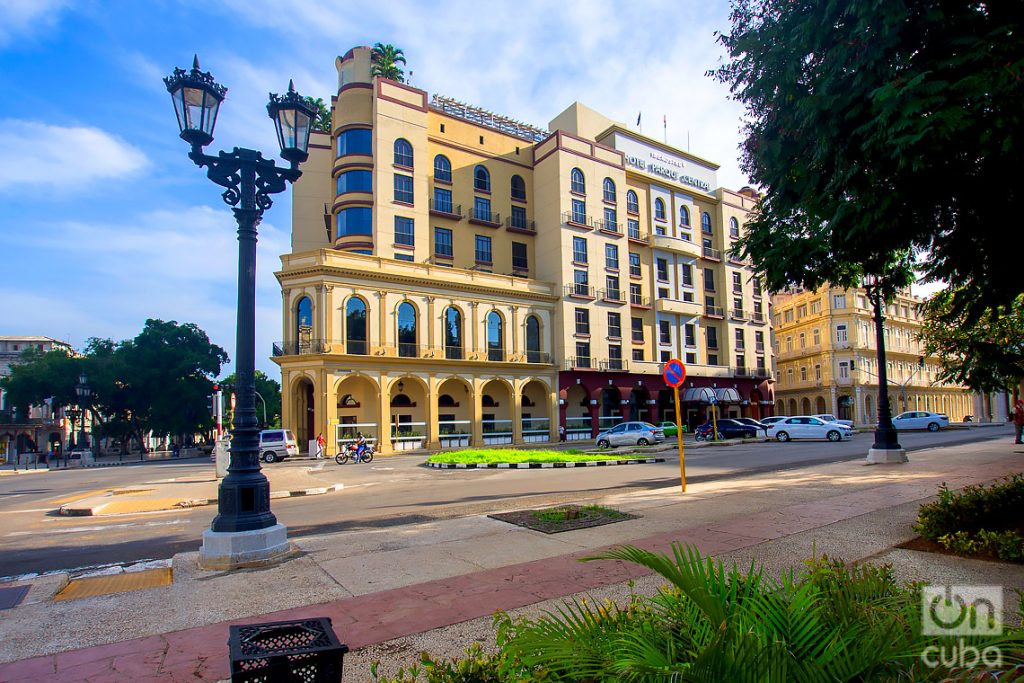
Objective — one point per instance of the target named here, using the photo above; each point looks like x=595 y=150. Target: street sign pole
x=679 y=435
x=714 y=420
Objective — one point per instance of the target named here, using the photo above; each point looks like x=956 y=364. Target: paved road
x=388 y=492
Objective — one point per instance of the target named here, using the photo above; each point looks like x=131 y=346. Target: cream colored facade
x=826 y=355
x=576 y=260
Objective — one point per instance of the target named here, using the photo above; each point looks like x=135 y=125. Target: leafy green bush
x=831 y=622
x=963 y=521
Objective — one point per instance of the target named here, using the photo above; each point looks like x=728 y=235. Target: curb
x=66 y=511
x=537 y=465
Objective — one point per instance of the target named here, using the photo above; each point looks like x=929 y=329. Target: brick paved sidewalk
x=200 y=654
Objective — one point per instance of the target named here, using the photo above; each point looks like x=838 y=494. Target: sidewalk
x=391 y=592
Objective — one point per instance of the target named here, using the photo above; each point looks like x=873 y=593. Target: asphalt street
x=388 y=492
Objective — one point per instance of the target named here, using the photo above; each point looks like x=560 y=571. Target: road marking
x=85 y=529
x=11 y=512
x=78 y=496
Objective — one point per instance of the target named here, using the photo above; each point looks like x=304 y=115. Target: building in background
x=826 y=358
x=458 y=277
x=44 y=425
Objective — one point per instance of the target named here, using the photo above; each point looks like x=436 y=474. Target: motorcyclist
x=360 y=446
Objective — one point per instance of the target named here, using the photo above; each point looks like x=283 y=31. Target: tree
x=269 y=389
x=322 y=121
x=882 y=133
x=40 y=376
x=984 y=353
x=385 y=60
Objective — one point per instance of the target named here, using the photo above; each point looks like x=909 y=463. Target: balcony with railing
x=741 y=371
x=714 y=311
x=614 y=296
x=304 y=347
x=578 y=291
x=581 y=363
x=445 y=209
x=610 y=228
x=491 y=219
x=633 y=234
x=520 y=225
x=736 y=260
x=639 y=300
x=614 y=365
x=761 y=372
x=757 y=318
x=737 y=314
x=577 y=220
x=711 y=254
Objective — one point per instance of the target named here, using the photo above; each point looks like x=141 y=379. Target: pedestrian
x=174 y=450
x=320 y=443
x=561 y=433
x=1018 y=422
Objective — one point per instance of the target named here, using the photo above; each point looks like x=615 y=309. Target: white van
x=277 y=444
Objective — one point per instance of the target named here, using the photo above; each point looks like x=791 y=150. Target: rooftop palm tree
x=385 y=59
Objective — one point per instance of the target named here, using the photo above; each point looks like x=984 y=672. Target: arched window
x=705 y=222
x=659 y=209
x=442 y=168
x=577 y=182
x=608 y=188
x=495 y=339
x=734 y=227
x=407 y=330
x=632 y=203
x=532 y=339
x=355 y=327
x=446 y=401
x=684 y=216
x=452 y=333
x=403 y=153
x=518 y=188
x=304 y=320
x=481 y=179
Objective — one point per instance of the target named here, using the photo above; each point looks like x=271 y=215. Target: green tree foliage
x=158 y=381
x=269 y=389
x=879 y=131
x=322 y=122
x=385 y=60
x=983 y=352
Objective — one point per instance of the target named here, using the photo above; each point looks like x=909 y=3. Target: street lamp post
x=886 y=448
x=244 y=532
x=82 y=391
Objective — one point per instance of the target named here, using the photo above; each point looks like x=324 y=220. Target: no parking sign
x=674 y=375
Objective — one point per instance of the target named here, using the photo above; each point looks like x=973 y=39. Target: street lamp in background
x=886 y=448
x=244 y=532
x=82 y=391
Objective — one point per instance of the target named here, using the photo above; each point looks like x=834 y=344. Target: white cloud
x=33 y=153
x=19 y=17
x=172 y=265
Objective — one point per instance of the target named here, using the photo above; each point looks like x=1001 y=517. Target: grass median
x=500 y=455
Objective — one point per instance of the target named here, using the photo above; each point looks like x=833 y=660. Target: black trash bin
x=302 y=651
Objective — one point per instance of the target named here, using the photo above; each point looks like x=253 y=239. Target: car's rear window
x=271 y=436
x=288 y=433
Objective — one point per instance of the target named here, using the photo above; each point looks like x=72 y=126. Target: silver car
x=630 y=434
x=920 y=419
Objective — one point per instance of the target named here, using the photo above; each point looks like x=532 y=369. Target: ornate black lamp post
x=244 y=531
x=83 y=393
x=886 y=448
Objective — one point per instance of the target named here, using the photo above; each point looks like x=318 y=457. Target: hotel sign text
x=665 y=172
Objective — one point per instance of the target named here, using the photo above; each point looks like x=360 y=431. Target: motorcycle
x=349 y=451
x=704 y=433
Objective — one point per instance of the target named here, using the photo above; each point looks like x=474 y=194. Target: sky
x=105 y=222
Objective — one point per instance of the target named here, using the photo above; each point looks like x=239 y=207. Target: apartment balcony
x=577 y=220
x=446 y=210
x=741 y=371
x=761 y=373
x=614 y=296
x=609 y=228
x=637 y=237
x=737 y=260
x=687 y=308
x=711 y=254
x=758 y=348
x=521 y=225
x=579 y=291
x=714 y=312
x=581 y=363
x=737 y=314
x=491 y=219
x=613 y=365
x=757 y=318
x=676 y=245
x=13 y=417
x=305 y=347
x=639 y=301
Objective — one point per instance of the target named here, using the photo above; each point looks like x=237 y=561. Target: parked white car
x=808 y=427
x=920 y=419
x=828 y=417
x=630 y=434
x=769 y=421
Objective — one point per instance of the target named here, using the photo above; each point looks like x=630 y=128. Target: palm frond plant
x=384 y=61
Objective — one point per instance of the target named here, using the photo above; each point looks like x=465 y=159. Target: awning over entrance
x=727 y=395
x=698 y=395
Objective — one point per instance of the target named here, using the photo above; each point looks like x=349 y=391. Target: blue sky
x=104 y=221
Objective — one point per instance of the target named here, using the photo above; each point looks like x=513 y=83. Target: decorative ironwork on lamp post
x=83 y=392
x=249 y=179
x=887 y=446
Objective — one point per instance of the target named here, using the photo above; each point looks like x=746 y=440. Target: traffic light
x=920 y=362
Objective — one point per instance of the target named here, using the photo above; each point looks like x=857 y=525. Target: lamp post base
x=239 y=549
x=886 y=456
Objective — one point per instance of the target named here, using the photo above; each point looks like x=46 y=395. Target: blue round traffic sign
x=674 y=373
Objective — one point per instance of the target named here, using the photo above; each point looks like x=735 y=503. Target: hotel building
x=458 y=277
x=826 y=356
